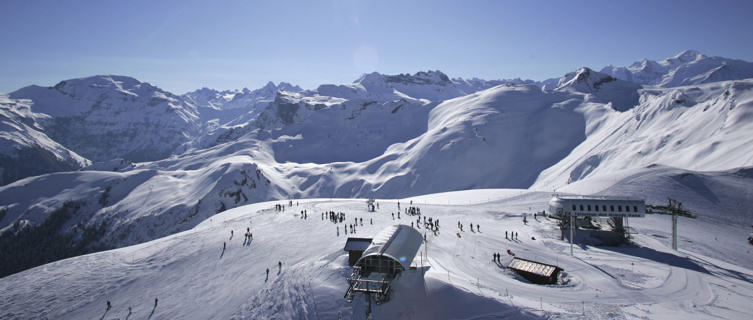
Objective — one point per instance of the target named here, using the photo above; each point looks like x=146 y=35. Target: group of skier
x=333 y=217
x=130 y=310
x=478 y=227
x=413 y=211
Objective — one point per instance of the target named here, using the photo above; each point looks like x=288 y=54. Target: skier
x=478 y=227
x=108 y=305
x=267 y=275
x=505 y=234
x=223 y=246
x=279 y=267
x=393 y=216
x=231 y=234
x=471 y=227
x=362 y=221
x=371 y=220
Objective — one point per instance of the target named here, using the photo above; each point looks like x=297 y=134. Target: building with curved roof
x=392 y=250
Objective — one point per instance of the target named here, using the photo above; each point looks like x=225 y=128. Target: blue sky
x=184 y=45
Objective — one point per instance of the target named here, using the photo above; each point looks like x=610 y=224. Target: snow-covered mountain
x=106 y=117
x=702 y=128
x=686 y=68
x=25 y=149
x=381 y=136
x=525 y=137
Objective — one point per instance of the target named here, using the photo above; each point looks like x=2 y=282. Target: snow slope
x=195 y=278
x=25 y=150
x=698 y=128
x=140 y=204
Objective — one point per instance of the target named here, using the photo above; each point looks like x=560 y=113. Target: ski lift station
x=594 y=206
x=390 y=252
x=570 y=208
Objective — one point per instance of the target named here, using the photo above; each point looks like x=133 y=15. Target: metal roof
x=532 y=267
x=398 y=242
x=594 y=197
x=357 y=244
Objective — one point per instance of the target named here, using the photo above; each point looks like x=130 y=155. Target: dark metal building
x=355 y=248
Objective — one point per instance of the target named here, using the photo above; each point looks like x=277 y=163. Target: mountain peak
x=603 y=87
x=688 y=56
x=583 y=77
x=270 y=86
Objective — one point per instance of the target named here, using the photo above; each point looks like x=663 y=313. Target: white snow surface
x=701 y=128
x=25 y=150
x=455 y=278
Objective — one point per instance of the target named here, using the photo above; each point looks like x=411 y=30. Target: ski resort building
x=593 y=206
x=617 y=209
x=536 y=272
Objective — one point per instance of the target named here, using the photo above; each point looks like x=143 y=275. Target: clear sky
x=184 y=45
